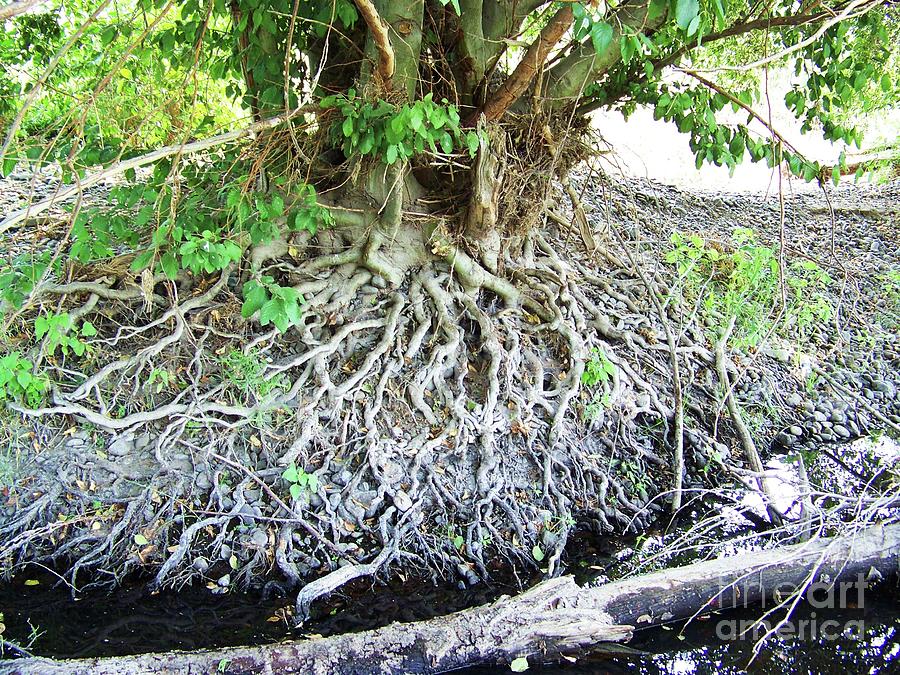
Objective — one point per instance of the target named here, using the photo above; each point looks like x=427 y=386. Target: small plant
x=457 y=540
x=163 y=379
x=207 y=252
x=598 y=369
x=19 y=383
x=300 y=481
x=743 y=282
x=55 y=330
x=311 y=215
x=246 y=372
x=279 y=305
x=18 y=277
x=809 y=306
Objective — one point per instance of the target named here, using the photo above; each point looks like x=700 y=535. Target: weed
x=300 y=480
x=19 y=383
x=55 y=330
x=457 y=540
x=744 y=283
x=163 y=379
x=598 y=370
x=246 y=372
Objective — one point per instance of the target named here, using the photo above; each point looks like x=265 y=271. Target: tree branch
x=733 y=99
x=520 y=79
x=16 y=8
x=62 y=195
x=380 y=36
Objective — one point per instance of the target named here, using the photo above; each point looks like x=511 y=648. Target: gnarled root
x=444 y=423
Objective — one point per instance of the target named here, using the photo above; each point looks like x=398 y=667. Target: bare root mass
x=443 y=419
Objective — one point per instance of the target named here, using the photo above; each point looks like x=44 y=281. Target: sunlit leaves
x=687 y=15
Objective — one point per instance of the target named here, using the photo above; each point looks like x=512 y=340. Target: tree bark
x=568 y=78
x=554 y=617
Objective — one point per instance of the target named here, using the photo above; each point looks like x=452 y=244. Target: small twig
x=17 y=217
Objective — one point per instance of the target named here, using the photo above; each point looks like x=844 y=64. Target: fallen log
x=555 y=617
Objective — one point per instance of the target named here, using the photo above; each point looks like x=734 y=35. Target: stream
x=861 y=633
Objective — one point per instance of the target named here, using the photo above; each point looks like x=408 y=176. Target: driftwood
x=554 y=617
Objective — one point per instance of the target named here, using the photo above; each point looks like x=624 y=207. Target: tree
x=382 y=216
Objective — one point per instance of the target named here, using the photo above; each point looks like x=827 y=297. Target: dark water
x=40 y=613
x=133 y=622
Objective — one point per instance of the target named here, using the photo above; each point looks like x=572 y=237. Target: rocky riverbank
x=129 y=488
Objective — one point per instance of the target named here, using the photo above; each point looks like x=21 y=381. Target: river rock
x=122 y=446
x=259 y=538
x=402 y=501
x=886 y=388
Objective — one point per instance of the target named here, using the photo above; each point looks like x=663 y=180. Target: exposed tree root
x=444 y=420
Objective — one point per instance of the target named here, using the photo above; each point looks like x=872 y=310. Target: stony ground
x=65 y=486
x=853 y=232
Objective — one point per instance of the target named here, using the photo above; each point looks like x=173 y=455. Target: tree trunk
x=554 y=617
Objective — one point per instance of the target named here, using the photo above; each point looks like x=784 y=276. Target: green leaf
x=685 y=12
x=270 y=311
x=519 y=665
x=277 y=207
x=255 y=296
x=291 y=474
x=9 y=163
x=108 y=35
x=41 y=326
x=693 y=26
x=140 y=263
x=140 y=539
x=88 y=330
x=296 y=491
x=601 y=36
x=719 y=8
x=447 y=143
x=537 y=553
x=473 y=142
x=169 y=265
